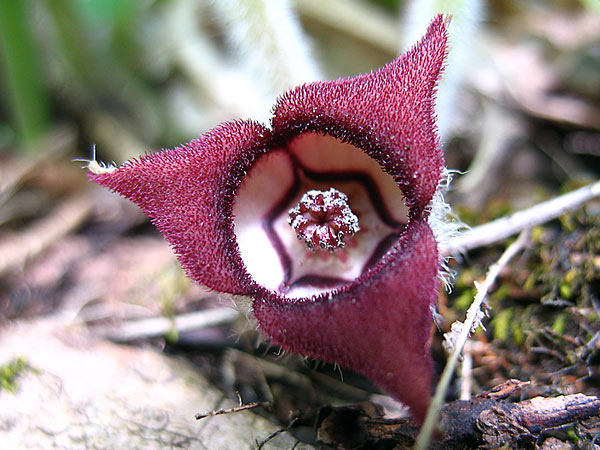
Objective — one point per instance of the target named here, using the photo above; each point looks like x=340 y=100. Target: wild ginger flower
x=322 y=219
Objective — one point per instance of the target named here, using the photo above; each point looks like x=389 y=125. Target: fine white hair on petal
x=446 y=226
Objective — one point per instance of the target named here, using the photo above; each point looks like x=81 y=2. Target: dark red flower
x=322 y=219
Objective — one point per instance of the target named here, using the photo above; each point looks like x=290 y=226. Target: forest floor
x=104 y=342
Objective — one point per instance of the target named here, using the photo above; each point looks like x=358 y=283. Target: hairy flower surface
x=322 y=219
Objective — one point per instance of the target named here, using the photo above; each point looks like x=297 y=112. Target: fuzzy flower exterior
x=322 y=219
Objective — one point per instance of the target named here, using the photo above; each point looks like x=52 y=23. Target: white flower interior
x=268 y=244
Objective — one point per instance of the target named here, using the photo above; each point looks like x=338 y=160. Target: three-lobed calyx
x=224 y=203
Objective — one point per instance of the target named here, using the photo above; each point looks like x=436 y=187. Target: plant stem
x=424 y=437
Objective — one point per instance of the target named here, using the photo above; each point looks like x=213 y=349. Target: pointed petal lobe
x=388 y=113
x=188 y=192
x=379 y=326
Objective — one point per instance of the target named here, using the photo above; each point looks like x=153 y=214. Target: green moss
x=464 y=300
x=172 y=335
x=560 y=323
x=518 y=334
x=570 y=276
x=502 y=292
x=468 y=215
x=565 y=291
x=466 y=278
x=9 y=373
x=537 y=233
x=568 y=222
x=530 y=282
x=572 y=436
x=499 y=208
x=501 y=324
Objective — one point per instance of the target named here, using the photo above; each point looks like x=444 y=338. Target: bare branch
x=160 y=326
x=505 y=227
x=66 y=217
x=466 y=329
x=240 y=407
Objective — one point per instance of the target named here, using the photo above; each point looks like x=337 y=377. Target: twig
x=533 y=416
x=466 y=376
x=276 y=433
x=489 y=419
x=67 y=216
x=58 y=142
x=160 y=326
x=473 y=312
x=240 y=407
x=505 y=227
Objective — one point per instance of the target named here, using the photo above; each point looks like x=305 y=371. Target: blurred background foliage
x=139 y=75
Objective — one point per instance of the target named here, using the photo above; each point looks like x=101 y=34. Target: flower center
x=277 y=191
x=323 y=219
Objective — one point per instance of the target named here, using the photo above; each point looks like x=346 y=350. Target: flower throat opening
x=298 y=247
x=323 y=219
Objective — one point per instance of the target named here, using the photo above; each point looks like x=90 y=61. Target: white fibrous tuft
x=98 y=167
x=95 y=166
x=243 y=304
x=445 y=224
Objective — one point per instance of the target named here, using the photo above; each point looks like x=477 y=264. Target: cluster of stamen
x=323 y=219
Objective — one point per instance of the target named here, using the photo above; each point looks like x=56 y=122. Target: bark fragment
x=488 y=421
